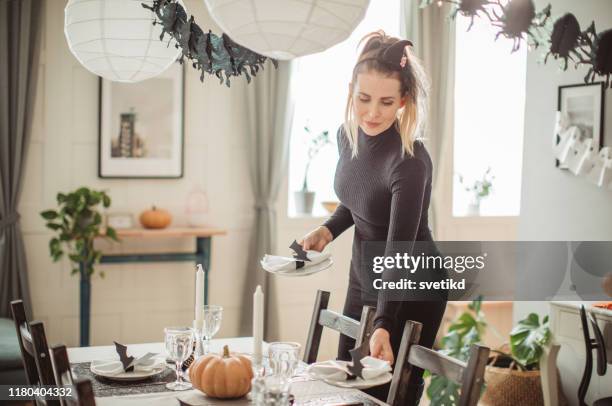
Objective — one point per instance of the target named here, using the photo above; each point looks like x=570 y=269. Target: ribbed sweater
x=386 y=195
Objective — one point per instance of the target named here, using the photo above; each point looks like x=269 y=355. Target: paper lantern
x=285 y=29
x=116 y=39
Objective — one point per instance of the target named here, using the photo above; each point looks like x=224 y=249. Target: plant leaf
x=49 y=214
x=528 y=338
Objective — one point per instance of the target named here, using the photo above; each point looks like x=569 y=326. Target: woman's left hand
x=380 y=345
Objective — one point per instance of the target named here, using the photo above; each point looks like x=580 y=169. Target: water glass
x=284 y=358
x=270 y=390
x=212 y=322
x=179 y=345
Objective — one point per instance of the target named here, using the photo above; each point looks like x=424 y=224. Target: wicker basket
x=511 y=387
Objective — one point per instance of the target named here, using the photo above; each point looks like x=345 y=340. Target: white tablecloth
x=305 y=391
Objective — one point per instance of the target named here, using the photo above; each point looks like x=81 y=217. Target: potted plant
x=479 y=189
x=304 y=198
x=77 y=222
x=512 y=377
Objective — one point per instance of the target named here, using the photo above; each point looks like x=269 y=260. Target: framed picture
x=141 y=127
x=583 y=106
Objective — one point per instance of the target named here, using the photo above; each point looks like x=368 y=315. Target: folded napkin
x=146 y=363
x=273 y=263
x=337 y=370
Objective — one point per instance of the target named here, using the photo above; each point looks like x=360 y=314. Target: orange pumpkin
x=222 y=376
x=155 y=218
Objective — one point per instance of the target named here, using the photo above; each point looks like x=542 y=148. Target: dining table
x=307 y=391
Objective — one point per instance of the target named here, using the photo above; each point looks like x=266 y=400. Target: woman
x=383 y=181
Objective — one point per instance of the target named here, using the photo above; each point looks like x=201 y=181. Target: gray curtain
x=433 y=35
x=269 y=114
x=20 y=25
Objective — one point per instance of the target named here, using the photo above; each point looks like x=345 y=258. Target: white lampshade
x=285 y=29
x=116 y=39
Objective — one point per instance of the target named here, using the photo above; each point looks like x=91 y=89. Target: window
x=320 y=86
x=489 y=117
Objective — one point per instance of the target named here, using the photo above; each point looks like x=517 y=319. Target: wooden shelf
x=169 y=232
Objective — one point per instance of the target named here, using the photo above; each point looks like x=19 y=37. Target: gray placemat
x=103 y=387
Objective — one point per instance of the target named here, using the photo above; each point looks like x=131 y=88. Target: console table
x=203 y=237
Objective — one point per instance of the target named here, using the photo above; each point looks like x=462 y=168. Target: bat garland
x=518 y=20
x=209 y=53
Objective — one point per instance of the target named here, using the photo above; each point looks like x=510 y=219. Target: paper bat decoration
x=209 y=53
x=125 y=360
x=300 y=254
x=357 y=354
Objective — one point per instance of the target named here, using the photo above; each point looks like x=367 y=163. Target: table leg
x=85 y=304
x=203 y=254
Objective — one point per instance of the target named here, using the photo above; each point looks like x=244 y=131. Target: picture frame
x=120 y=220
x=141 y=127
x=582 y=106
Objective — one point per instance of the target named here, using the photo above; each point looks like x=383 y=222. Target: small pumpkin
x=222 y=376
x=155 y=218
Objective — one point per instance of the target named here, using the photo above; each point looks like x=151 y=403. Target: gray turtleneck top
x=386 y=196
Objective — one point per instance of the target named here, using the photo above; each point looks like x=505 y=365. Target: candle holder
x=199 y=347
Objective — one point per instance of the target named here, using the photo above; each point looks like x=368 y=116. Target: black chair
x=61 y=367
x=598 y=344
x=322 y=317
x=34 y=349
x=84 y=394
x=470 y=374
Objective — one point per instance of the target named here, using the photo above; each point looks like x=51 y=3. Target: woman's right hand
x=317 y=239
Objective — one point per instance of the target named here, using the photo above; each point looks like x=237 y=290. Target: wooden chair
x=61 y=367
x=82 y=394
x=469 y=375
x=598 y=344
x=322 y=317
x=34 y=349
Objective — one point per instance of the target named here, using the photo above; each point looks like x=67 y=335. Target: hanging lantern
x=286 y=29
x=116 y=39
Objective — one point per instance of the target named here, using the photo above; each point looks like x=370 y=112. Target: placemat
x=105 y=387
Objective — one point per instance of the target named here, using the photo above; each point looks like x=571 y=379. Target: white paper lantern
x=285 y=29
x=116 y=39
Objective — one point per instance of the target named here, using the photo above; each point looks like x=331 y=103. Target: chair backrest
x=61 y=367
x=470 y=374
x=33 y=345
x=84 y=393
x=322 y=317
x=590 y=344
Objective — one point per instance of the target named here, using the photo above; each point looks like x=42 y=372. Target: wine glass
x=212 y=323
x=179 y=344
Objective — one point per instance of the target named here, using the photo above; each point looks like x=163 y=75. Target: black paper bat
x=209 y=53
x=357 y=354
x=300 y=254
x=125 y=360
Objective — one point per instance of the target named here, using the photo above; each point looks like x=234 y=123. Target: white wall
x=556 y=205
x=134 y=302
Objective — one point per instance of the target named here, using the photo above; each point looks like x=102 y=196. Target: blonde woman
x=383 y=181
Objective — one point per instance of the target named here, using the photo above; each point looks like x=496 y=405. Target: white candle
x=258 y=324
x=199 y=298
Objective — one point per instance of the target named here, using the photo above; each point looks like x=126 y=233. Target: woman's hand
x=380 y=345
x=317 y=239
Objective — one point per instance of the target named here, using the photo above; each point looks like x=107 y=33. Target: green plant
x=316 y=143
x=480 y=188
x=528 y=339
x=77 y=222
x=465 y=330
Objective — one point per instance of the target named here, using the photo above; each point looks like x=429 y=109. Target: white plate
x=129 y=376
x=357 y=383
x=321 y=266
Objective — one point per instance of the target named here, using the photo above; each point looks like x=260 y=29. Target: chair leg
x=414 y=393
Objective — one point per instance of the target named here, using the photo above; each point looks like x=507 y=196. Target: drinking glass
x=270 y=390
x=212 y=323
x=284 y=358
x=179 y=344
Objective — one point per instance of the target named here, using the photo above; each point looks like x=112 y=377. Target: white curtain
x=433 y=34
x=270 y=114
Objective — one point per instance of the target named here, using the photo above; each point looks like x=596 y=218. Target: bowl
x=330 y=206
